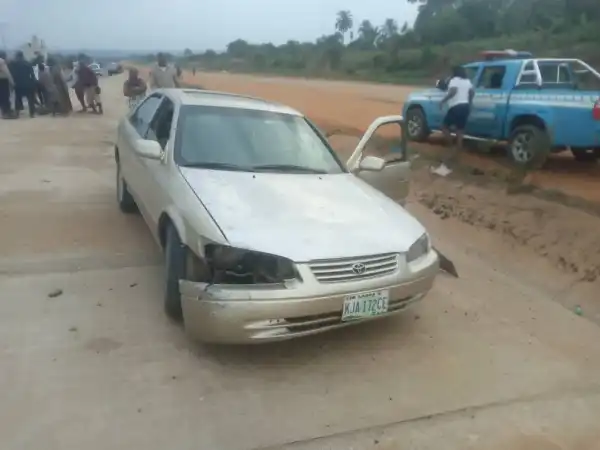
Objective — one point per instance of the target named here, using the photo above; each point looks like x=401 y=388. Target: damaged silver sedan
x=267 y=235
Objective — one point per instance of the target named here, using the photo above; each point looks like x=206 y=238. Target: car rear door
x=394 y=179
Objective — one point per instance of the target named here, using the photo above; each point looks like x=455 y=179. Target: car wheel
x=175 y=257
x=124 y=197
x=584 y=155
x=529 y=146
x=416 y=124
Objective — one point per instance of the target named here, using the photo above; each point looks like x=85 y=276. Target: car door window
x=160 y=127
x=142 y=117
x=492 y=77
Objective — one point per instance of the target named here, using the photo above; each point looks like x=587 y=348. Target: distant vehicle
x=114 y=69
x=97 y=69
x=267 y=235
x=537 y=105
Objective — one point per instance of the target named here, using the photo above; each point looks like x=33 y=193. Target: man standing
x=134 y=88
x=6 y=84
x=459 y=98
x=162 y=75
x=25 y=83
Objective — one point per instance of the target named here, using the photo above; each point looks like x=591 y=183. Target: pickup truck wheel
x=124 y=197
x=584 y=155
x=175 y=257
x=529 y=146
x=416 y=124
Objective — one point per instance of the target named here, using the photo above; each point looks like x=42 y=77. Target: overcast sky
x=177 y=24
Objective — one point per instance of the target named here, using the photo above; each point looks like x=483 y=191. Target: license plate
x=365 y=304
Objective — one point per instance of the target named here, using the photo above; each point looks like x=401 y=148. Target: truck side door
x=492 y=90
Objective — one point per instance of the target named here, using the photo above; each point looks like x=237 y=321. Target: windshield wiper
x=218 y=166
x=288 y=167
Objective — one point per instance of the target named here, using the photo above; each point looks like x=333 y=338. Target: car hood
x=303 y=217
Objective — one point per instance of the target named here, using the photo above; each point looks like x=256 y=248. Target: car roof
x=200 y=97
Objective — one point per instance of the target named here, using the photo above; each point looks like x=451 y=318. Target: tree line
x=445 y=32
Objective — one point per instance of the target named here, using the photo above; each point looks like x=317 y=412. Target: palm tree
x=344 y=22
x=389 y=28
x=367 y=32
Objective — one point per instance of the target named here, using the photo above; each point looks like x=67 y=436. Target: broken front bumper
x=262 y=313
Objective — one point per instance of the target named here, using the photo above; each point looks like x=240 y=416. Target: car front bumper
x=242 y=314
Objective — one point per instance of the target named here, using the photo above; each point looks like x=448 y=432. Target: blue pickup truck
x=536 y=105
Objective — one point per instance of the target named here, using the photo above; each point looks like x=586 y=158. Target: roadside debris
x=55 y=293
x=578 y=310
x=446 y=265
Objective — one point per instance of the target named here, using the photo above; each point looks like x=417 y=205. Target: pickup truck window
x=472 y=72
x=492 y=77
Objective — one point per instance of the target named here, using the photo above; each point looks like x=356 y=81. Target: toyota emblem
x=359 y=268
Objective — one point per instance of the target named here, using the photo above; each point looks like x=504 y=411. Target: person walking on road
x=6 y=85
x=63 y=98
x=25 y=83
x=459 y=98
x=49 y=91
x=89 y=82
x=163 y=75
x=134 y=88
x=76 y=85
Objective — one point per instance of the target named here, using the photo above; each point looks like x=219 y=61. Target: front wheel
x=124 y=197
x=175 y=262
x=416 y=125
x=529 y=146
x=585 y=155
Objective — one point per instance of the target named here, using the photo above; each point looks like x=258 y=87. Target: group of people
x=45 y=87
x=162 y=75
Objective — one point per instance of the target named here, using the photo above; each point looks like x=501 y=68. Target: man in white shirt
x=459 y=98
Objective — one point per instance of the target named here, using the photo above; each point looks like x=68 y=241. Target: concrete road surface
x=487 y=361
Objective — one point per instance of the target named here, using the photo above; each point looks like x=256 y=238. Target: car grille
x=357 y=268
x=298 y=326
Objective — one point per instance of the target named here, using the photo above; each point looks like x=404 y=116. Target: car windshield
x=249 y=140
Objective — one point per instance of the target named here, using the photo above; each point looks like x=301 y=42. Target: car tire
x=417 y=128
x=529 y=146
x=124 y=197
x=175 y=259
x=584 y=155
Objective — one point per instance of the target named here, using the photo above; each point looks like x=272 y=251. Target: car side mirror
x=149 y=149
x=372 y=164
x=442 y=85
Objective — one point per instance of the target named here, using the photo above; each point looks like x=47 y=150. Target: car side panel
x=429 y=101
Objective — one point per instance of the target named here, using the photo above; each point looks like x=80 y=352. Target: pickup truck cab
x=536 y=105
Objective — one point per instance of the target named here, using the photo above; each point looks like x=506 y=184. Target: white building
x=33 y=48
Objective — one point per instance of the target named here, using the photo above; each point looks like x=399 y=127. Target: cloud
x=177 y=24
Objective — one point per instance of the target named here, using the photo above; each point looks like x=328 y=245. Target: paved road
x=488 y=361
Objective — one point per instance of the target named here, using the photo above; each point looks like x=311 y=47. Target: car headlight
x=420 y=248
x=232 y=265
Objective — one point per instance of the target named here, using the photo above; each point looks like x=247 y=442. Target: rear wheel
x=416 y=124
x=529 y=146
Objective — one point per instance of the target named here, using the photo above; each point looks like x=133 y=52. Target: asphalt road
x=486 y=361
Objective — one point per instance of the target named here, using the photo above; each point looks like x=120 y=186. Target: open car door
x=390 y=175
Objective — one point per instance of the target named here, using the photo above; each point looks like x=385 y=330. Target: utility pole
x=3 y=27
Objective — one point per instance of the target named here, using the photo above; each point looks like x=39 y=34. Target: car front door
x=133 y=166
x=156 y=182
x=394 y=179
x=489 y=104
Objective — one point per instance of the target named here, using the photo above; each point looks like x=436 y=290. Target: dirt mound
x=565 y=236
